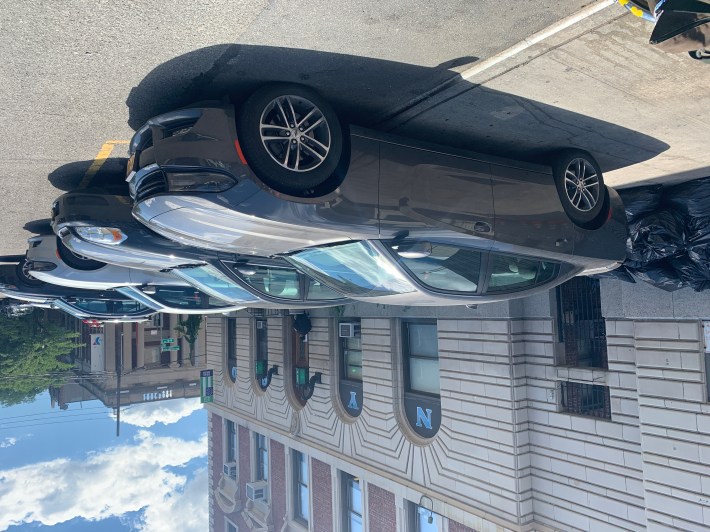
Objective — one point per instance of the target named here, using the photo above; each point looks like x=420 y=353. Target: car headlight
x=101 y=235
x=198 y=182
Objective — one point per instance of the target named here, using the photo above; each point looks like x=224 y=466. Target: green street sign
x=170 y=348
x=168 y=341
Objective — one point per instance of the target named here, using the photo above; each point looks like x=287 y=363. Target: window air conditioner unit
x=230 y=470
x=261 y=324
x=256 y=491
x=348 y=330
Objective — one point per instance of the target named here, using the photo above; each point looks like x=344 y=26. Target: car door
x=528 y=211
x=425 y=192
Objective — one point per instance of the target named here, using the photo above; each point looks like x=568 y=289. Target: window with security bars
x=352 y=503
x=231 y=346
x=262 y=457
x=300 y=487
x=583 y=399
x=231 y=441
x=580 y=324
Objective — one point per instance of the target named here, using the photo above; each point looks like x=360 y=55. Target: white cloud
x=165 y=412
x=8 y=442
x=120 y=479
x=189 y=508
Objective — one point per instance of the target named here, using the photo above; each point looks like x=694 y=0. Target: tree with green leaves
x=189 y=329
x=30 y=348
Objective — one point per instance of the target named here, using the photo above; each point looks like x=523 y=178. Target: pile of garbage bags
x=669 y=236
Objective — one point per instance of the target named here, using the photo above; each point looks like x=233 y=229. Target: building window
x=352 y=503
x=231 y=344
x=420 y=354
x=157 y=320
x=580 y=324
x=229 y=526
x=586 y=399
x=300 y=327
x=230 y=442
x=262 y=353
x=707 y=373
x=300 y=487
x=350 y=383
x=422 y=519
x=262 y=457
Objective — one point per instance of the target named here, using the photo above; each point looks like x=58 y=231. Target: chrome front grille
x=151 y=185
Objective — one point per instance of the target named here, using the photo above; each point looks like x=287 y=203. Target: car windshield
x=447 y=267
x=275 y=282
x=356 y=269
x=185 y=297
x=108 y=306
x=210 y=280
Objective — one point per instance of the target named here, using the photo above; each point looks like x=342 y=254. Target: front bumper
x=124 y=254
x=200 y=137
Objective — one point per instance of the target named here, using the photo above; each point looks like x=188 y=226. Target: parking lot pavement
x=598 y=85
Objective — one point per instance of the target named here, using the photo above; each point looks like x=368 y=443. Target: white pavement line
x=561 y=25
x=535 y=38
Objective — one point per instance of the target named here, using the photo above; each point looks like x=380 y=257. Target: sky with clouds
x=67 y=470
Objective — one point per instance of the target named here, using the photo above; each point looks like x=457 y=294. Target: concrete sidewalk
x=597 y=85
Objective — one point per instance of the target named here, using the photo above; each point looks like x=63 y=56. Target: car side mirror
x=149 y=290
x=416 y=250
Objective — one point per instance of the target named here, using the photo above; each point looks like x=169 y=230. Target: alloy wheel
x=582 y=185
x=295 y=133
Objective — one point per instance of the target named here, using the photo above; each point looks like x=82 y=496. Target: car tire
x=290 y=157
x=581 y=188
x=75 y=261
x=23 y=274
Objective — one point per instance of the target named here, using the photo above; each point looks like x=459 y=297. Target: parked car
x=49 y=261
x=83 y=304
x=178 y=299
x=100 y=226
x=282 y=173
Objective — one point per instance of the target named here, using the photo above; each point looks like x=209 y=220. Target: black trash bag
x=661 y=275
x=700 y=254
x=654 y=237
x=691 y=273
x=691 y=198
x=621 y=273
x=697 y=231
x=639 y=201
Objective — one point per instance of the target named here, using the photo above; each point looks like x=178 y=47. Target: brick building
x=566 y=411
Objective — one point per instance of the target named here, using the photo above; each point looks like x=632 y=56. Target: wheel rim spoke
x=589 y=198
x=314 y=152
x=305 y=118
x=291 y=122
x=314 y=124
x=282 y=112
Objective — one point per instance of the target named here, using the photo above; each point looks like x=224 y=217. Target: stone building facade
x=509 y=435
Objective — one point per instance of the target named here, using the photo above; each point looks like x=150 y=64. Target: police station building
x=582 y=409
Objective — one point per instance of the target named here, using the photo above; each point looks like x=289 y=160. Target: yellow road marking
x=99 y=160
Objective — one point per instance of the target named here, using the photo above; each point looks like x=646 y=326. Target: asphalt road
x=76 y=75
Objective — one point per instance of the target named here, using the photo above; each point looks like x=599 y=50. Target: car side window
x=446 y=267
x=508 y=273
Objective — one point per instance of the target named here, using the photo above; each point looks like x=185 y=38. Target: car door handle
x=482 y=227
